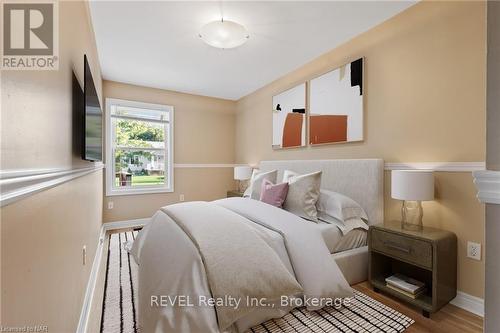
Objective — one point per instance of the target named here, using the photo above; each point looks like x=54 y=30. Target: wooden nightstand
x=429 y=255
x=231 y=194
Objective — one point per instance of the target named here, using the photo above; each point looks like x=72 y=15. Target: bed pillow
x=338 y=206
x=287 y=174
x=303 y=193
x=273 y=194
x=253 y=190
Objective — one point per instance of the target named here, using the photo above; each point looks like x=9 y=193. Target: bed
x=245 y=249
x=359 y=179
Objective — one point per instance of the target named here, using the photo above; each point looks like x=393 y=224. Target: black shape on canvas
x=357 y=74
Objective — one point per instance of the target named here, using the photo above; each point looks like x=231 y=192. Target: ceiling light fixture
x=224 y=34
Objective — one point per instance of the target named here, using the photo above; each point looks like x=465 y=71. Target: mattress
x=337 y=242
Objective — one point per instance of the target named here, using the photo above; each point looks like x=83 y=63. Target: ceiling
x=156 y=44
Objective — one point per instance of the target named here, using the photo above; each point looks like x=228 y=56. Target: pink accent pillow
x=273 y=194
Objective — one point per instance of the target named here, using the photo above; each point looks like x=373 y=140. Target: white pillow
x=303 y=193
x=253 y=190
x=338 y=206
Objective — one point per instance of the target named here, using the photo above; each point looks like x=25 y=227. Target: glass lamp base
x=412 y=213
x=242 y=185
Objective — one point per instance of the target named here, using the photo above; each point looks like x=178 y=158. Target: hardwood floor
x=449 y=319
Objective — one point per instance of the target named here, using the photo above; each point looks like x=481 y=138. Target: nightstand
x=428 y=255
x=231 y=194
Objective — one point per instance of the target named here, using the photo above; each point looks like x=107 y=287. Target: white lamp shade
x=415 y=185
x=242 y=172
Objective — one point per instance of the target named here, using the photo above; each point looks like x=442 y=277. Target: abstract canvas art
x=289 y=118
x=336 y=105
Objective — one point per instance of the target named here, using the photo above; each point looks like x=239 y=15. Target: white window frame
x=111 y=189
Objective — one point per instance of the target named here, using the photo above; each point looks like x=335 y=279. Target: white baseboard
x=469 y=303
x=125 y=224
x=91 y=284
x=96 y=265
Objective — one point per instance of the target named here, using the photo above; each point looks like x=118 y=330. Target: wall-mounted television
x=92 y=122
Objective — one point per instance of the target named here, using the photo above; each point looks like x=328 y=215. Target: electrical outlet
x=111 y=204
x=84 y=255
x=474 y=250
x=181 y=197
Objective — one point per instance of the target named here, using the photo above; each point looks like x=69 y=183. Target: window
x=139 y=147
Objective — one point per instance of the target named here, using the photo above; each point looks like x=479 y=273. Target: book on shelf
x=412 y=296
x=404 y=283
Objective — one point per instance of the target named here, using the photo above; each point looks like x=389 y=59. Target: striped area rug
x=364 y=314
x=119 y=312
x=119 y=309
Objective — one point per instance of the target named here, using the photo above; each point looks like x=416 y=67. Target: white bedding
x=337 y=241
x=171 y=264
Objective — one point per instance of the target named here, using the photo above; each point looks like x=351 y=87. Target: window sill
x=138 y=191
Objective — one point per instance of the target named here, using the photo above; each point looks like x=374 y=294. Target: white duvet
x=194 y=253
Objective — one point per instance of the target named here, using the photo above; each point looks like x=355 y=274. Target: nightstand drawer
x=408 y=249
x=231 y=194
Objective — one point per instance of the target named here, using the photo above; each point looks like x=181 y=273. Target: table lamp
x=413 y=187
x=242 y=172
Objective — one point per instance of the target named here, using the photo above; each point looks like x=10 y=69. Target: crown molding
x=18 y=184
x=437 y=166
x=204 y=165
x=488 y=186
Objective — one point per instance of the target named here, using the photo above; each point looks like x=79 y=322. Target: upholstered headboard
x=359 y=179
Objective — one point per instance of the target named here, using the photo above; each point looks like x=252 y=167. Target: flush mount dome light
x=224 y=34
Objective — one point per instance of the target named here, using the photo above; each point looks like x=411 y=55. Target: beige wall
x=493 y=94
x=43 y=279
x=203 y=134
x=492 y=299
x=424 y=101
x=38 y=104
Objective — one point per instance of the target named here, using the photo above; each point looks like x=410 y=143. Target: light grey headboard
x=359 y=179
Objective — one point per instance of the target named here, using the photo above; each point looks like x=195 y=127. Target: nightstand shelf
x=429 y=255
x=423 y=301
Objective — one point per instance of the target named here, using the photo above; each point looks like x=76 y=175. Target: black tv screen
x=92 y=141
